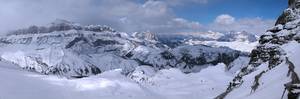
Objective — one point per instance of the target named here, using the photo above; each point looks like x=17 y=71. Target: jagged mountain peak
x=149 y=36
x=294 y=3
x=290 y=14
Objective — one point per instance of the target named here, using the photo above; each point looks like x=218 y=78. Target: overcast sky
x=159 y=16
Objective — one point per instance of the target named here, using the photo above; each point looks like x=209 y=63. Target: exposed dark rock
x=292 y=85
x=101 y=42
x=256 y=81
x=167 y=55
x=77 y=39
x=275 y=29
x=284 y=18
x=129 y=55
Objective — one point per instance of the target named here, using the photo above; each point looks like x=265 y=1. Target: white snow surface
x=272 y=82
x=165 y=84
x=236 y=45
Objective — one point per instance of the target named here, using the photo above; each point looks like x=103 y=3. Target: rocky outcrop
x=270 y=51
x=289 y=14
x=256 y=81
x=293 y=86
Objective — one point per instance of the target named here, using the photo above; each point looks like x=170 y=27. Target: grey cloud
x=184 y=2
x=124 y=15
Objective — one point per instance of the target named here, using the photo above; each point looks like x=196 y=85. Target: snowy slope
x=16 y=84
x=270 y=82
x=273 y=71
x=166 y=84
x=236 y=45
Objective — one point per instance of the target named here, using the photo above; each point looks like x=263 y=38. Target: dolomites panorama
x=168 y=58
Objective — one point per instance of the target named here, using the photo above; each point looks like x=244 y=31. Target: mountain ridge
x=69 y=49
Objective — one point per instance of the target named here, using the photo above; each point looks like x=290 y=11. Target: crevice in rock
x=256 y=81
x=292 y=87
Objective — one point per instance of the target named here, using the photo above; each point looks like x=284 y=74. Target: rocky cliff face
x=275 y=56
x=290 y=14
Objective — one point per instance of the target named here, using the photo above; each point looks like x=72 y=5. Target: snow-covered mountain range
x=136 y=65
x=241 y=41
x=69 y=49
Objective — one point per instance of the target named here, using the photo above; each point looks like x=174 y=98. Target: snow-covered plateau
x=165 y=84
